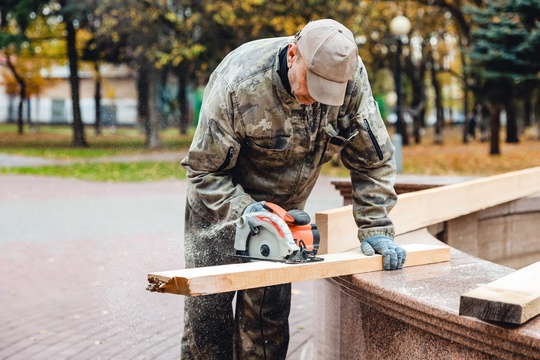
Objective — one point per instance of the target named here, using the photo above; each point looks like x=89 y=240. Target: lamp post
x=400 y=27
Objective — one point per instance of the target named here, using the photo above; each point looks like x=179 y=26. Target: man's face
x=297 y=76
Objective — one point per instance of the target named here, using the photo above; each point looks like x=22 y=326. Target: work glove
x=393 y=255
x=255 y=207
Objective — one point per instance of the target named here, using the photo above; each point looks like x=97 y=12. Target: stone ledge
x=419 y=303
x=414 y=313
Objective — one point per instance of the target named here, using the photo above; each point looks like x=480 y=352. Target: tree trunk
x=22 y=94
x=183 y=101
x=468 y=118
x=11 y=109
x=97 y=98
x=527 y=111
x=142 y=97
x=20 y=123
x=79 y=139
x=466 y=127
x=417 y=73
x=146 y=107
x=401 y=125
x=152 y=135
x=537 y=111
x=483 y=121
x=511 y=123
x=466 y=89
x=439 y=123
x=29 y=115
x=495 y=112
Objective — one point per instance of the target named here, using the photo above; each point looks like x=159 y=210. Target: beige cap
x=331 y=56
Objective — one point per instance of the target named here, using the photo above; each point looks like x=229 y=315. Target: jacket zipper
x=374 y=140
x=228 y=158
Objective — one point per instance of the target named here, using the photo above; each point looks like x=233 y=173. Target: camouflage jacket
x=255 y=142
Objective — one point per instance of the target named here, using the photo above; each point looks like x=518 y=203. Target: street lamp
x=400 y=27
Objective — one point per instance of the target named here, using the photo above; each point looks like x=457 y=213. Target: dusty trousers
x=256 y=327
x=259 y=330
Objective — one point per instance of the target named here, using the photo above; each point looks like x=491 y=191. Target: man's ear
x=291 y=52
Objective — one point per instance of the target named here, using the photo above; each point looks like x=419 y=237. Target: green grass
x=114 y=172
x=451 y=158
x=55 y=142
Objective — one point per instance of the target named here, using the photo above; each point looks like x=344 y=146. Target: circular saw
x=277 y=235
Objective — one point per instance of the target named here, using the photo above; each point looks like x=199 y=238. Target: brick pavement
x=74 y=257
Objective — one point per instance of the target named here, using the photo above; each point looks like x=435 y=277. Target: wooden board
x=419 y=209
x=514 y=298
x=217 y=279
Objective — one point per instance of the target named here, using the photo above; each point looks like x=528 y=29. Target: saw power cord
x=261 y=322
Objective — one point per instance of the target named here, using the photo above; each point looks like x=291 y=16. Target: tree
x=504 y=49
x=431 y=49
x=462 y=24
x=154 y=37
x=71 y=14
x=15 y=17
x=378 y=49
x=33 y=83
x=22 y=91
x=96 y=50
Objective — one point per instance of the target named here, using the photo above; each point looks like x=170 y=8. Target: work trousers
x=256 y=328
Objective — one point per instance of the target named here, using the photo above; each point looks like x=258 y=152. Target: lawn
x=108 y=171
x=456 y=158
x=54 y=142
x=453 y=157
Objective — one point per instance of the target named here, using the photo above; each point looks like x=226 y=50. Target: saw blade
x=264 y=245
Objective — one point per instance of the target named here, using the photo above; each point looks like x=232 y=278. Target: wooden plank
x=427 y=207
x=514 y=298
x=217 y=279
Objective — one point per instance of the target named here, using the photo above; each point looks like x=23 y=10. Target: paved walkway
x=28 y=161
x=23 y=161
x=74 y=256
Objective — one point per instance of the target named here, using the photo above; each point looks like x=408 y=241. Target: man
x=274 y=111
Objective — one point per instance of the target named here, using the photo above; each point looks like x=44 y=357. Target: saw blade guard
x=248 y=228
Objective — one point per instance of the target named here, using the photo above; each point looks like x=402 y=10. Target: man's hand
x=255 y=207
x=393 y=255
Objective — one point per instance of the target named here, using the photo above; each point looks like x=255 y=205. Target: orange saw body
x=277 y=235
